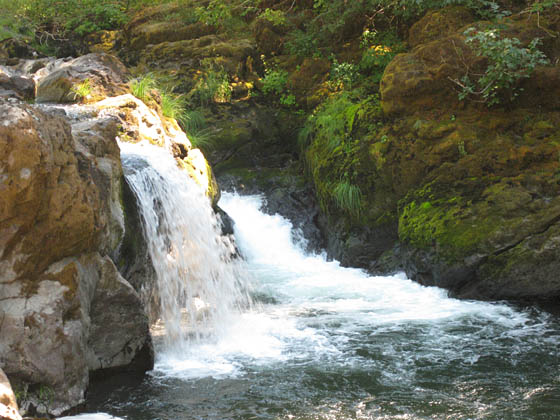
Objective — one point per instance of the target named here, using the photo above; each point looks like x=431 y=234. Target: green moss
x=445 y=224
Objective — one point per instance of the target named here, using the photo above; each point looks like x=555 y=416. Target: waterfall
x=200 y=282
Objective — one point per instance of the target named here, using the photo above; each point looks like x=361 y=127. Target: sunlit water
x=327 y=342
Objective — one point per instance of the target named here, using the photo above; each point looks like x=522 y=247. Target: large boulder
x=65 y=308
x=90 y=77
x=430 y=74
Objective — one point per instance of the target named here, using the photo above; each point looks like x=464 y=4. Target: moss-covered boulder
x=439 y=23
x=431 y=74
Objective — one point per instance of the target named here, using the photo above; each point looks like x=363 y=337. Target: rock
x=439 y=23
x=50 y=206
x=100 y=74
x=16 y=86
x=48 y=335
x=487 y=240
x=60 y=218
x=134 y=261
x=119 y=331
x=15 y=48
x=8 y=404
x=423 y=78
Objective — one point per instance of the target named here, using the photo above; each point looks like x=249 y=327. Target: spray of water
x=200 y=282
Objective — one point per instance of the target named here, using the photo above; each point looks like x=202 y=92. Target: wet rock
x=119 y=332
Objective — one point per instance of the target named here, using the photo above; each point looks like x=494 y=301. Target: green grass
x=142 y=86
x=193 y=121
x=201 y=138
x=81 y=90
x=172 y=106
x=348 y=197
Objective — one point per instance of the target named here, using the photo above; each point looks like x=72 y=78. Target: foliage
x=276 y=17
x=333 y=153
x=302 y=43
x=45 y=395
x=193 y=121
x=343 y=75
x=217 y=13
x=172 y=105
x=348 y=197
x=61 y=18
x=379 y=50
x=213 y=86
x=81 y=90
x=141 y=87
x=194 y=124
x=508 y=63
x=275 y=84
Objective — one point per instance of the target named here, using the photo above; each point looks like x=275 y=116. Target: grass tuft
x=348 y=197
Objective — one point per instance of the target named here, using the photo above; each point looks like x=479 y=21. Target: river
x=320 y=341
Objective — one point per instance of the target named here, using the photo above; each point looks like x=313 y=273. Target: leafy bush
x=276 y=17
x=343 y=75
x=275 y=84
x=508 y=63
x=302 y=44
x=217 y=13
x=379 y=50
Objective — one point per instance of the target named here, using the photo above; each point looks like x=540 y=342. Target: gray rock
x=119 y=326
x=105 y=74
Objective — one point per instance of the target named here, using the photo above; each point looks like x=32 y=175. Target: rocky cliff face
x=457 y=194
x=65 y=310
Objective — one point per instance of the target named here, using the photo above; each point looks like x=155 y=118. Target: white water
x=322 y=342
x=199 y=284
x=318 y=308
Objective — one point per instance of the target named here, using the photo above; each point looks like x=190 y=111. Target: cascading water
x=332 y=343
x=199 y=282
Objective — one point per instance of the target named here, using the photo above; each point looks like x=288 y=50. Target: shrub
x=275 y=84
x=343 y=75
x=302 y=44
x=276 y=17
x=508 y=63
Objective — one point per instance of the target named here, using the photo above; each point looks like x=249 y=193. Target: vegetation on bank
x=319 y=60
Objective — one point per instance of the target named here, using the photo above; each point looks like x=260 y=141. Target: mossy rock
x=439 y=23
x=307 y=81
x=167 y=31
x=428 y=77
x=468 y=231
